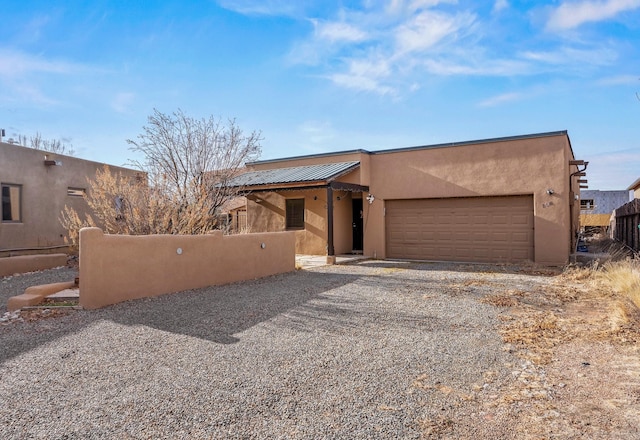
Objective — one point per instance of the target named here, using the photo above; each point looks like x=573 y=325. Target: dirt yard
x=579 y=343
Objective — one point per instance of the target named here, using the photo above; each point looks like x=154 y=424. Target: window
x=76 y=192
x=295 y=214
x=587 y=204
x=11 y=203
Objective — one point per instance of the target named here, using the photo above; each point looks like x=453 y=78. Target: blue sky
x=321 y=76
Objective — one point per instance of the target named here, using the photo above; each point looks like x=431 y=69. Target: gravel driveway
x=369 y=350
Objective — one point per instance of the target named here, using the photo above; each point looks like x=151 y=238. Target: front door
x=357 y=225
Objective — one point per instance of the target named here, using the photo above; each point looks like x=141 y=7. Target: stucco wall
x=116 y=268
x=44 y=194
x=519 y=167
x=342 y=220
x=266 y=212
x=30 y=263
x=307 y=160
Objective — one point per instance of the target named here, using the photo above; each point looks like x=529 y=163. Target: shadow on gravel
x=218 y=313
x=214 y=313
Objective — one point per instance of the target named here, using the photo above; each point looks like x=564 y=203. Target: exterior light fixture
x=550 y=191
x=370 y=198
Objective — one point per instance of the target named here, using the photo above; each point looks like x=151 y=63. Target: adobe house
x=494 y=200
x=36 y=186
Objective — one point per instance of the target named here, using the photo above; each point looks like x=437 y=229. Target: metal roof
x=308 y=173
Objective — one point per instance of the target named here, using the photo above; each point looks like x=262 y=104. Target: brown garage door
x=483 y=229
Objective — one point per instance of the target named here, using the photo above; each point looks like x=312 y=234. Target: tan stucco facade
x=41 y=182
x=116 y=268
x=530 y=165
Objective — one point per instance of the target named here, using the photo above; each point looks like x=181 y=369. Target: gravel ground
x=370 y=350
x=16 y=284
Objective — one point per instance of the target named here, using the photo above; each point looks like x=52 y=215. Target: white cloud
x=570 y=15
x=613 y=157
x=500 y=99
x=568 y=55
x=384 y=47
x=365 y=50
x=365 y=75
x=18 y=64
x=264 y=7
x=404 y=6
x=24 y=77
x=22 y=92
x=620 y=80
x=339 y=32
x=500 y=5
x=448 y=67
x=428 y=28
x=362 y=83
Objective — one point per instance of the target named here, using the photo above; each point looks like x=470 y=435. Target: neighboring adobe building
x=493 y=200
x=36 y=186
x=597 y=206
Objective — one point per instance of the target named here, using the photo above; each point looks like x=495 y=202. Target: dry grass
x=622 y=277
x=534 y=334
x=574 y=337
x=596 y=303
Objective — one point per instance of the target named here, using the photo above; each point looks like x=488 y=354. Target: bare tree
x=191 y=160
x=39 y=143
x=187 y=164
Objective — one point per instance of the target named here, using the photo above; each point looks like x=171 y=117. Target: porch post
x=331 y=253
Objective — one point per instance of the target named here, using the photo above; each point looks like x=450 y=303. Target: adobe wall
x=116 y=268
x=266 y=212
x=315 y=159
x=30 y=263
x=44 y=194
x=508 y=167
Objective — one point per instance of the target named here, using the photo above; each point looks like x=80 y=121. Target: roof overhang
x=338 y=186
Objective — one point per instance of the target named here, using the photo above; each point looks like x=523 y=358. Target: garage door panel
x=483 y=229
x=520 y=219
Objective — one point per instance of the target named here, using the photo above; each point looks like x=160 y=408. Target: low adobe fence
x=116 y=268
x=30 y=263
x=625 y=227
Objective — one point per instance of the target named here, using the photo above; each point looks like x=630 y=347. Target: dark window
x=295 y=213
x=11 y=211
x=76 y=192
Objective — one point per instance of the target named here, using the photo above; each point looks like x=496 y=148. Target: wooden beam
x=330 y=248
x=342 y=186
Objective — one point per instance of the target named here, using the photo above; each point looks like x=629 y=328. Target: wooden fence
x=627 y=220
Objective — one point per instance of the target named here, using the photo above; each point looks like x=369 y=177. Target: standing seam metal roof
x=307 y=173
